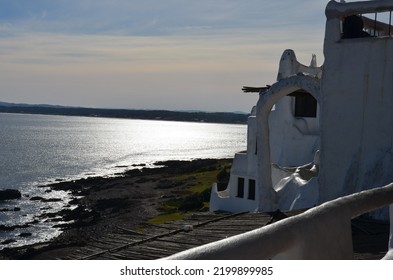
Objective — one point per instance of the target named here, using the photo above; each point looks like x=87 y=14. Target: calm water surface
x=37 y=150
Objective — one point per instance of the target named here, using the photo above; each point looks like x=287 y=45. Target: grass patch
x=194 y=196
x=170 y=206
x=164 y=218
x=200 y=180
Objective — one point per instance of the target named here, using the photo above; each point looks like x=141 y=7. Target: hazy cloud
x=152 y=17
x=173 y=54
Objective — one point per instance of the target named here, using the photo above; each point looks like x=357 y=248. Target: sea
x=37 y=150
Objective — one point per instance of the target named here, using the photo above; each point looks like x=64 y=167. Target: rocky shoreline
x=100 y=205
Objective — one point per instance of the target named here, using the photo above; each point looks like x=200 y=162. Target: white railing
x=323 y=232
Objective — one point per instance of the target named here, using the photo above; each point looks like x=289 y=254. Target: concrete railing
x=340 y=10
x=323 y=232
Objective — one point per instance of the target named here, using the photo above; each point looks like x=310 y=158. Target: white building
x=320 y=133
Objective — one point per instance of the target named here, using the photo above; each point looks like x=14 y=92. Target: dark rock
x=54 y=220
x=137 y=165
x=36 y=198
x=48 y=215
x=74 y=214
x=8 y=241
x=52 y=200
x=9 y=194
x=133 y=172
x=66 y=186
x=182 y=167
x=16 y=209
x=25 y=234
x=75 y=201
x=39 y=198
x=11 y=228
x=80 y=217
x=6 y=228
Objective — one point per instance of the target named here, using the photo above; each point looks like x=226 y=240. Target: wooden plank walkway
x=158 y=241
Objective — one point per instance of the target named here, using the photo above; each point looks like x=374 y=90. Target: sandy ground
x=103 y=204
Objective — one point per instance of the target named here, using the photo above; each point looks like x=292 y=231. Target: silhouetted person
x=353 y=27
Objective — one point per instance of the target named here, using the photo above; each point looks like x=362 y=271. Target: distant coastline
x=192 y=116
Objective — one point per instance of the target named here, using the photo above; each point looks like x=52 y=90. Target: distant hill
x=192 y=116
x=6 y=104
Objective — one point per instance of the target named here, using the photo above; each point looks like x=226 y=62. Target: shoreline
x=163 y=115
x=99 y=205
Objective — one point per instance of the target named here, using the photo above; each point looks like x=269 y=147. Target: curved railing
x=376 y=16
x=323 y=232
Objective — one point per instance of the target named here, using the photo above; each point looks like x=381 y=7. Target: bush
x=190 y=203
x=223 y=179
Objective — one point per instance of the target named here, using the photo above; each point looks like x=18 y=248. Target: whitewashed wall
x=356 y=113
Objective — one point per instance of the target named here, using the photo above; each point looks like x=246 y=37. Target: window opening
x=305 y=104
x=240 y=187
x=353 y=27
x=367 y=25
x=256 y=146
x=251 y=189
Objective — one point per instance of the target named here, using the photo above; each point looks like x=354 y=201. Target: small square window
x=305 y=106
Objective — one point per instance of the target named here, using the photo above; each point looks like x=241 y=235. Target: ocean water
x=36 y=150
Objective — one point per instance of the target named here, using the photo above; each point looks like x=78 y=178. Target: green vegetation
x=223 y=177
x=194 y=194
x=164 y=218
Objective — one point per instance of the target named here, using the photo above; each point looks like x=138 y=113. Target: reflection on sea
x=37 y=150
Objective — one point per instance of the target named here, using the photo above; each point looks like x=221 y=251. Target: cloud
x=170 y=54
x=167 y=72
x=152 y=17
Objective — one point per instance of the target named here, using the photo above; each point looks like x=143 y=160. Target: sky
x=151 y=54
